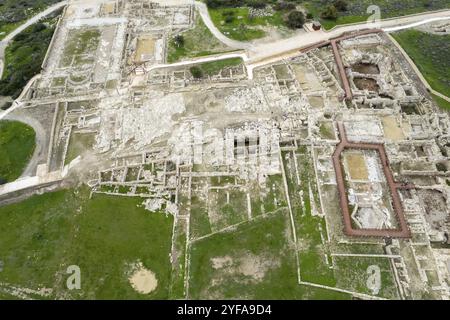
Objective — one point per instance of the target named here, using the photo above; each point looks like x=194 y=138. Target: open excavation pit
x=366 y=84
x=366 y=68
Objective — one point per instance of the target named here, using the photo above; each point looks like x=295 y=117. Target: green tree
x=295 y=19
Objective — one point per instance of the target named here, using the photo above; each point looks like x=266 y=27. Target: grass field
x=430 y=53
x=351 y=273
x=357 y=9
x=241 y=27
x=40 y=237
x=214 y=67
x=315 y=248
x=255 y=261
x=198 y=42
x=17 y=143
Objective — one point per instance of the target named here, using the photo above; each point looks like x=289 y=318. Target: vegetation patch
x=357 y=274
x=214 y=67
x=227 y=208
x=195 y=42
x=442 y=103
x=430 y=53
x=17 y=143
x=332 y=13
x=13 y=13
x=24 y=57
x=238 y=24
x=255 y=261
x=315 y=266
x=105 y=236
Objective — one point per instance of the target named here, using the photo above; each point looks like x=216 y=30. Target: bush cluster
x=20 y=67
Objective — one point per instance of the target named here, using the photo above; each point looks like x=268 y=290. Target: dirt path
x=40 y=142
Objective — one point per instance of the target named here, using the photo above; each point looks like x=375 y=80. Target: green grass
x=326 y=130
x=329 y=24
x=244 y=28
x=267 y=239
x=81 y=42
x=177 y=283
x=389 y=8
x=24 y=56
x=214 y=67
x=444 y=104
x=6 y=28
x=198 y=42
x=17 y=143
x=41 y=236
x=314 y=253
x=228 y=213
x=199 y=221
x=430 y=53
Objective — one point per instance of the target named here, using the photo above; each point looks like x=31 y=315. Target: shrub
x=196 y=72
x=179 y=40
x=330 y=13
x=441 y=167
x=295 y=19
x=227 y=13
x=229 y=19
x=280 y=6
x=228 y=16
